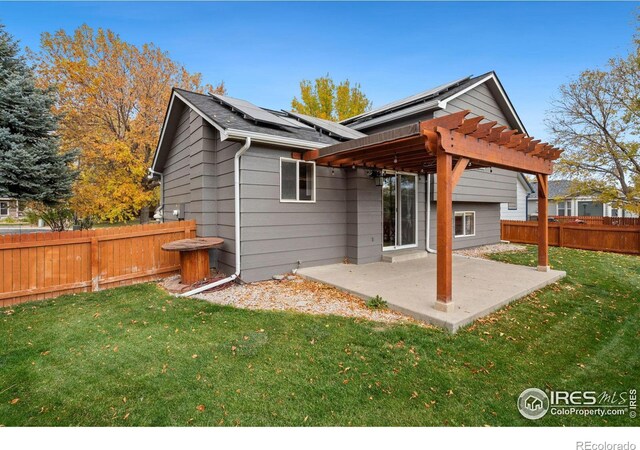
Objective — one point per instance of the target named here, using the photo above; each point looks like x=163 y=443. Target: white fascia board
x=271 y=139
x=443 y=103
x=164 y=126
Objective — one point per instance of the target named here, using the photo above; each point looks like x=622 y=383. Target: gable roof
x=260 y=124
x=557 y=189
x=437 y=99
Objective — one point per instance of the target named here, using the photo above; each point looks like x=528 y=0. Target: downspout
x=152 y=173
x=428 y=219
x=236 y=191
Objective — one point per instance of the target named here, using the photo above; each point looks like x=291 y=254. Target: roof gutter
x=236 y=191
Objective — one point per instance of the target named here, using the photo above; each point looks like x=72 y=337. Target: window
x=512 y=206
x=297 y=180
x=564 y=208
x=4 y=209
x=465 y=223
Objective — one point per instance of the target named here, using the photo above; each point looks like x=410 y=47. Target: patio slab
x=479 y=286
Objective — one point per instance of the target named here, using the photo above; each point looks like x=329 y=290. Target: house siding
x=487 y=224
x=276 y=235
x=520 y=213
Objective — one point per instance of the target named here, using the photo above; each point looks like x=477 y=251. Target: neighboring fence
x=44 y=265
x=609 y=238
x=599 y=220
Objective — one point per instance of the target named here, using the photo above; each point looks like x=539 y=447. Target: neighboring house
x=218 y=155
x=518 y=210
x=562 y=203
x=9 y=208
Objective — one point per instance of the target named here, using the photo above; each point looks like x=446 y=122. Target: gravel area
x=296 y=294
x=483 y=251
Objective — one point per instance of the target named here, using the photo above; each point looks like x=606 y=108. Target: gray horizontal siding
x=487 y=224
x=497 y=185
x=276 y=235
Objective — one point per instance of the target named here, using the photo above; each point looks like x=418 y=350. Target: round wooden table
x=194 y=257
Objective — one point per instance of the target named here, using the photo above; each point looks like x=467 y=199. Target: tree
x=596 y=120
x=112 y=96
x=31 y=168
x=325 y=100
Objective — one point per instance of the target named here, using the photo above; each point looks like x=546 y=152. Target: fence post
x=560 y=231
x=95 y=265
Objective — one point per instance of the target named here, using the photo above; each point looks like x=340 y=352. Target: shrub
x=377 y=302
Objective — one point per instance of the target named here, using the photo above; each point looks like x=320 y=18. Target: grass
x=136 y=356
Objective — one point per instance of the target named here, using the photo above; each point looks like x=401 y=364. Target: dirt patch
x=483 y=251
x=296 y=294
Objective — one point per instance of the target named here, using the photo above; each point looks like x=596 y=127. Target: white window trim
x=297 y=199
x=464 y=220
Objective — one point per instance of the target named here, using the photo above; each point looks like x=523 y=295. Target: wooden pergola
x=447 y=146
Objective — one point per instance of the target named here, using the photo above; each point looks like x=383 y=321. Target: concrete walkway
x=479 y=286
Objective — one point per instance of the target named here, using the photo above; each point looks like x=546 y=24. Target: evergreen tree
x=31 y=167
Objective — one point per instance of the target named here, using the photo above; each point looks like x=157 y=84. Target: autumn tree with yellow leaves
x=112 y=97
x=330 y=101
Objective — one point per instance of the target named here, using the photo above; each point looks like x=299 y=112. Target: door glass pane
x=389 y=210
x=407 y=210
x=306 y=180
x=288 y=180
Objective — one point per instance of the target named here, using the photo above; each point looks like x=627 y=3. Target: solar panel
x=252 y=112
x=328 y=126
x=407 y=100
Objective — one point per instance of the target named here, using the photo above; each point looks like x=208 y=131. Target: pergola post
x=543 y=223
x=444 y=228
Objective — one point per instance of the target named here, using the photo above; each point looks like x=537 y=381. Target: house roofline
x=231 y=133
x=493 y=77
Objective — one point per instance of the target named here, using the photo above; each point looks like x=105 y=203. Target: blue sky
x=263 y=50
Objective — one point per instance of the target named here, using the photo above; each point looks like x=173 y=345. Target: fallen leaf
x=126 y=416
x=124 y=399
x=14 y=401
x=45 y=353
x=115 y=349
x=200 y=408
x=194 y=356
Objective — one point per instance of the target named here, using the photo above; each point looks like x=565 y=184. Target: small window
x=465 y=223
x=4 y=209
x=564 y=208
x=512 y=206
x=297 y=180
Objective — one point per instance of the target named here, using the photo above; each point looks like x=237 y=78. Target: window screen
x=288 y=180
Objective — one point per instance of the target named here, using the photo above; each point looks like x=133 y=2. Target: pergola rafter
x=448 y=146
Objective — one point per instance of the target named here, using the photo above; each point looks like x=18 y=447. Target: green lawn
x=136 y=356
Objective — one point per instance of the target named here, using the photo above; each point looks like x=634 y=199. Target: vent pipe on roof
x=236 y=186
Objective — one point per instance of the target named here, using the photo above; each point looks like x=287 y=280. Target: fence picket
x=44 y=265
x=619 y=238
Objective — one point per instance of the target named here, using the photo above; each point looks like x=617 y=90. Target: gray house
x=237 y=170
x=563 y=202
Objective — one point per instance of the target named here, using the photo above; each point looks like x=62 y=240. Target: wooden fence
x=43 y=265
x=599 y=220
x=608 y=238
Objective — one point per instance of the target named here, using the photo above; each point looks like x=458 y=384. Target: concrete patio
x=479 y=286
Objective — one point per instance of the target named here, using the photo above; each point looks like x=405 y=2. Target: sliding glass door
x=399 y=210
